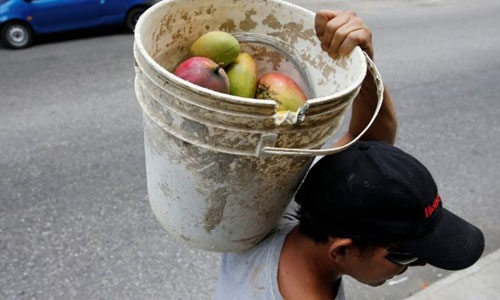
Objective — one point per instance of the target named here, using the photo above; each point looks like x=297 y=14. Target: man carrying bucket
x=369 y=212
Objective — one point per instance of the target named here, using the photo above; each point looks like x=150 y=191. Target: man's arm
x=340 y=32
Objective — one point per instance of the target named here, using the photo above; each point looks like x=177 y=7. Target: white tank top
x=253 y=274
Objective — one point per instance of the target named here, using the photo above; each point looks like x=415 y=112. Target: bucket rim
x=357 y=52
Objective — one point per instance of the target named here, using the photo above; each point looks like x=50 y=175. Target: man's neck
x=304 y=270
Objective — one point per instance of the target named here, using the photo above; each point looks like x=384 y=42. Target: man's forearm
x=339 y=32
x=385 y=125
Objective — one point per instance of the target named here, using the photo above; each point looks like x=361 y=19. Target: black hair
x=312 y=228
x=320 y=233
x=315 y=214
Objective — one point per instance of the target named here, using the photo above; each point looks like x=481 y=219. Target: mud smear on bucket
x=248 y=24
x=216 y=203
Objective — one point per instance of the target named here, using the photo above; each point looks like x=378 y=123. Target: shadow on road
x=80 y=34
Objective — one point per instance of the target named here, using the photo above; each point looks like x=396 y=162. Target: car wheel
x=17 y=35
x=133 y=16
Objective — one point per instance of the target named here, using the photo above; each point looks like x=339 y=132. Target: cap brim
x=454 y=244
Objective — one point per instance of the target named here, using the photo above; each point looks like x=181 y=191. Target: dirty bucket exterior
x=216 y=180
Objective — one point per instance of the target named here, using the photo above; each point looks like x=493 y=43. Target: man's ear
x=338 y=248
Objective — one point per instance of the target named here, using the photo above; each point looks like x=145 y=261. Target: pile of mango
x=217 y=63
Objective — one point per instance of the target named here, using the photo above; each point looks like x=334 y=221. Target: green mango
x=242 y=76
x=219 y=46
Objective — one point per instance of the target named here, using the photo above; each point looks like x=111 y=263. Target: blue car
x=21 y=20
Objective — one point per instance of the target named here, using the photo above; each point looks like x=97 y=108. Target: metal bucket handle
x=310 y=152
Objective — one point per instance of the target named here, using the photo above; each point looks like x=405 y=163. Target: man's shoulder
x=273 y=240
x=252 y=274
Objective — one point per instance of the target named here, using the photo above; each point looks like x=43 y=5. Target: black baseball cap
x=378 y=193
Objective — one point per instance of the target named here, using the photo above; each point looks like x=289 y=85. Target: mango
x=204 y=72
x=281 y=89
x=219 y=46
x=242 y=75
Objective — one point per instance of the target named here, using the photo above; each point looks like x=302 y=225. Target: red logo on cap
x=429 y=210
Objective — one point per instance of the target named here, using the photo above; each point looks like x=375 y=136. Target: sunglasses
x=400 y=258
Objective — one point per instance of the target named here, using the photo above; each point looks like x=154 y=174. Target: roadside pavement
x=479 y=282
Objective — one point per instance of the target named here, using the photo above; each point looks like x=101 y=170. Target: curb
x=479 y=282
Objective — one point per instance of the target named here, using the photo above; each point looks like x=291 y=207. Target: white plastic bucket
x=220 y=171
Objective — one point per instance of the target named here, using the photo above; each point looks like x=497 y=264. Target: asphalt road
x=75 y=222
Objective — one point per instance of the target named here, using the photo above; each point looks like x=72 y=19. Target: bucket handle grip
x=311 y=152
